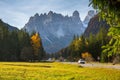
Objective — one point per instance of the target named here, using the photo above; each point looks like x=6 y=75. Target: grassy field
x=54 y=71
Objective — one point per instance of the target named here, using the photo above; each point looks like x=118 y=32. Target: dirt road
x=99 y=65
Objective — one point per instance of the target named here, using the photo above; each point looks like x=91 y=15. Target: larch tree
x=37 y=46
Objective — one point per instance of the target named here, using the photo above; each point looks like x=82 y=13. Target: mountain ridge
x=56 y=30
x=10 y=28
x=95 y=25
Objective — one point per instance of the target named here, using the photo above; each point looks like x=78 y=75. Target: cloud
x=17 y=12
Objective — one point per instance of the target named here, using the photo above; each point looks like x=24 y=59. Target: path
x=99 y=65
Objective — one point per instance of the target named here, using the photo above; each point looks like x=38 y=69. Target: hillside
x=95 y=25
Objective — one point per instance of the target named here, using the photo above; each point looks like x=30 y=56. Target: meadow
x=54 y=71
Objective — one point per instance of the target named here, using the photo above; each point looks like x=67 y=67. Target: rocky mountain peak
x=90 y=14
x=56 y=30
x=75 y=13
x=76 y=17
x=36 y=15
x=50 y=13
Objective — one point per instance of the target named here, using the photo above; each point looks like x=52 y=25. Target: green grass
x=54 y=71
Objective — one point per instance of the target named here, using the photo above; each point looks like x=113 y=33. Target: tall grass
x=54 y=71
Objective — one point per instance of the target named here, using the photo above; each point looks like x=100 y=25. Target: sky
x=18 y=12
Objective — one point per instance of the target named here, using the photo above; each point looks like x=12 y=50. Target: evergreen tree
x=14 y=45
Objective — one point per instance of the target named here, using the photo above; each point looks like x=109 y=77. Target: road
x=96 y=64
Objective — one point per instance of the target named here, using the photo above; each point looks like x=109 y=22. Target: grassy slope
x=54 y=71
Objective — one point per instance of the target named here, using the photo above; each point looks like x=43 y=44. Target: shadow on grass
x=44 y=66
x=40 y=62
x=80 y=66
x=47 y=61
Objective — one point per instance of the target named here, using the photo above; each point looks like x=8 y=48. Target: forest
x=18 y=45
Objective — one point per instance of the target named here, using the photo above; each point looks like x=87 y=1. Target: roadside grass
x=54 y=71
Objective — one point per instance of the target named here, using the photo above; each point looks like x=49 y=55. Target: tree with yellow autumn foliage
x=87 y=56
x=37 y=46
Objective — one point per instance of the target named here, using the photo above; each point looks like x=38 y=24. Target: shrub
x=87 y=56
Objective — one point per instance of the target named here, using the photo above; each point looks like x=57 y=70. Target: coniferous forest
x=18 y=45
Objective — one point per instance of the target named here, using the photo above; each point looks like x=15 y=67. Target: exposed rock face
x=90 y=14
x=56 y=30
x=94 y=26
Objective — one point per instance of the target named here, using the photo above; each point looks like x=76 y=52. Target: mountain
x=10 y=28
x=56 y=30
x=94 y=26
x=90 y=14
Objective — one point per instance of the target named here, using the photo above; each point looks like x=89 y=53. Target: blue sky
x=18 y=12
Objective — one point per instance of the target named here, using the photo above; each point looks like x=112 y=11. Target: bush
x=87 y=56
x=116 y=59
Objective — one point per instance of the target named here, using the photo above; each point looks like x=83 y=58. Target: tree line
x=91 y=45
x=110 y=12
x=18 y=45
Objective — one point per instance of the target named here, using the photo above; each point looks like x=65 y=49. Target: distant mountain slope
x=94 y=26
x=56 y=30
x=11 y=28
x=90 y=14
